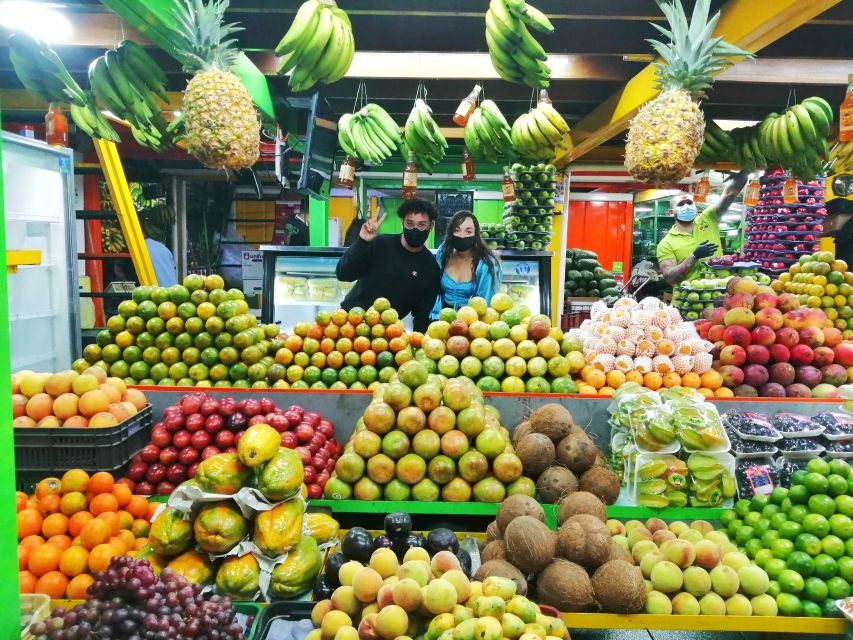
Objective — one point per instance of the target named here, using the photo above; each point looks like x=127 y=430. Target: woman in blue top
x=468 y=267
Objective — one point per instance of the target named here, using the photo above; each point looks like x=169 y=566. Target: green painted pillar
x=318 y=218
x=9 y=612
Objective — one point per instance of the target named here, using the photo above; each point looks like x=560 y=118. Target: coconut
x=581 y=502
x=493 y=532
x=552 y=420
x=618 y=552
x=536 y=452
x=502 y=569
x=565 y=586
x=516 y=506
x=495 y=550
x=521 y=430
x=602 y=483
x=619 y=587
x=600 y=462
x=576 y=451
x=586 y=545
x=530 y=545
x=556 y=482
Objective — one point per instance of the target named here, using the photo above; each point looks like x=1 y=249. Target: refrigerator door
x=44 y=304
x=304 y=285
x=522 y=281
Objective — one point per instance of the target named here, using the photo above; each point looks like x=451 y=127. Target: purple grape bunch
x=130 y=602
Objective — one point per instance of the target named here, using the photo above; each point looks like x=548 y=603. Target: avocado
x=357 y=544
x=465 y=561
x=594 y=293
x=586 y=276
x=382 y=541
x=322 y=588
x=416 y=540
x=398 y=524
x=440 y=540
x=606 y=283
x=333 y=564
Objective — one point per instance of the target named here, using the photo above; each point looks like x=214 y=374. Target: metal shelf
x=754 y=624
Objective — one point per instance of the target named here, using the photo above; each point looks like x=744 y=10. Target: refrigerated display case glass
x=44 y=304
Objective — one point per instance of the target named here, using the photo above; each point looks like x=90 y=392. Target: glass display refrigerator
x=300 y=281
x=44 y=302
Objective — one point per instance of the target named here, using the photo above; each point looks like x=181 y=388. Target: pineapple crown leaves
x=691 y=56
x=202 y=38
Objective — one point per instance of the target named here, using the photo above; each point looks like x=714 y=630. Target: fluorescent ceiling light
x=43 y=21
x=728 y=125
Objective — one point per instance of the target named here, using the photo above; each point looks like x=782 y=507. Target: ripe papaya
x=170 y=534
x=296 y=573
x=279 y=528
x=258 y=444
x=219 y=526
x=323 y=527
x=196 y=567
x=222 y=473
x=157 y=562
x=238 y=577
x=282 y=476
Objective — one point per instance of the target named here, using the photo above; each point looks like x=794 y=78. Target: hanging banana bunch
x=487 y=133
x=515 y=53
x=369 y=134
x=423 y=137
x=539 y=133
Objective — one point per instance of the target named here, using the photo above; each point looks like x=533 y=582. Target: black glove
x=704 y=250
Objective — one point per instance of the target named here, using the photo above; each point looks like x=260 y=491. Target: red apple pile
x=768 y=345
x=199 y=426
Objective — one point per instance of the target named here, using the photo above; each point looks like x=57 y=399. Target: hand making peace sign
x=370 y=227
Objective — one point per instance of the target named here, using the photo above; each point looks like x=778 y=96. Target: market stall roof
x=596 y=48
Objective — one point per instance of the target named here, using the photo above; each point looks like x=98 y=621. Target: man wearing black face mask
x=394 y=266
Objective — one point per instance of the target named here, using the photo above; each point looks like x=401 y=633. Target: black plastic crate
x=287 y=609
x=55 y=450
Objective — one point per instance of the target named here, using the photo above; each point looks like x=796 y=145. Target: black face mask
x=463 y=244
x=415 y=237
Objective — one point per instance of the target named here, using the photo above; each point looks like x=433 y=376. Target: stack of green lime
x=194 y=334
x=802 y=537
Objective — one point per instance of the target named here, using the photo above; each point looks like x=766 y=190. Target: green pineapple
x=220 y=122
x=666 y=135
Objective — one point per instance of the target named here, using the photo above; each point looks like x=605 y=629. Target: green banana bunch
x=370 y=134
x=41 y=71
x=127 y=81
x=318 y=47
x=841 y=157
x=515 y=53
x=112 y=239
x=91 y=121
x=423 y=137
x=794 y=139
x=487 y=133
x=537 y=134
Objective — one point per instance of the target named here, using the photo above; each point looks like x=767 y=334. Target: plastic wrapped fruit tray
x=52 y=450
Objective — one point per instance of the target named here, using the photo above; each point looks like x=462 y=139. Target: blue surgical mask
x=686 y=213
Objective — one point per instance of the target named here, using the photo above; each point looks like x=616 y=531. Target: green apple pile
x=529 y=218
x=427 y=438
x=502 y=347
x=802 y=537
x=694 y=296
x=427 y=598
x=494 y=235
x=190 y=334
x=694 y=570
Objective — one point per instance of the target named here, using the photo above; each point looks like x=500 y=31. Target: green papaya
x=296 y=573
x=282 y=476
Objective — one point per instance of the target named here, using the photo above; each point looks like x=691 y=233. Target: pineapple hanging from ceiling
x=220 y=123
x=665 y=136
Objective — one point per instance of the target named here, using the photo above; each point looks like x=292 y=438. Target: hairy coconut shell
x=516 y=506
x=493 y=532
x=587 y=546
x=565 y=586
x=556 y=482
x=581 y=502
x=602 y=483
x=530 y=544
x=524 y=428
x=495 y=550
x=576 y=451
x=536 y=452
x=619 y=587
x=552 y=420
x=502 y=569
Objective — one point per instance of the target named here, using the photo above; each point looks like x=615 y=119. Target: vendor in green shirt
x=694 y=237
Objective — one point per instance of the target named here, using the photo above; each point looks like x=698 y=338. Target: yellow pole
x=125 y=210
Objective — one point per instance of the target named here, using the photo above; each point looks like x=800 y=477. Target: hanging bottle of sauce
x=56 y=126
x=410 y=177
x=346 y=174
x=508 y=187
x=544 y=97
x=702 y=189
x=750 y=196
x=467 y=166
x=845 y=114
x=467 y=106
x=789 y=191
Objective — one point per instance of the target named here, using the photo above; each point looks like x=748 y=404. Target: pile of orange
x=71 y=528
x=594 y=381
